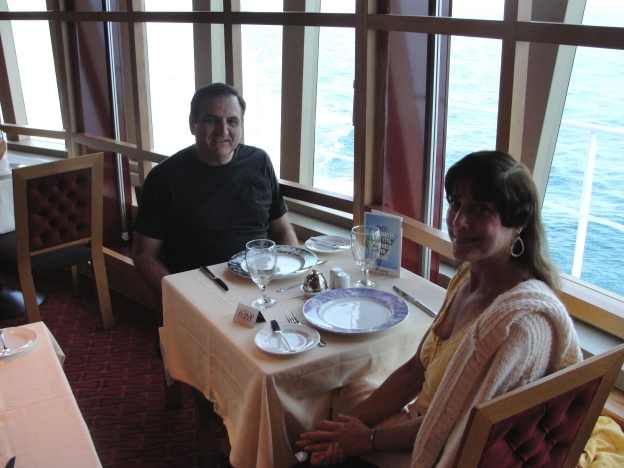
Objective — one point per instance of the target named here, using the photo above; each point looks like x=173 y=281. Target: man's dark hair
x=212 y=90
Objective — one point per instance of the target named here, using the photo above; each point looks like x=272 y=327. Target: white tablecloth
x=266 y=401
x=40 y=423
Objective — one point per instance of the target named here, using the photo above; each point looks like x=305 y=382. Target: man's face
x=217 y=129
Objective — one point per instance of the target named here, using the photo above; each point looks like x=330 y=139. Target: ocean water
x=595 y=96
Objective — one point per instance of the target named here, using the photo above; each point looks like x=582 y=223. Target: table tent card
x=391 y=230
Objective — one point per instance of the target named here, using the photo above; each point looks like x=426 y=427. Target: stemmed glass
x=365 y=247
x=261 y=259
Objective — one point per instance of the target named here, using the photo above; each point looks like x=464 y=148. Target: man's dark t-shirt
x=205 y=214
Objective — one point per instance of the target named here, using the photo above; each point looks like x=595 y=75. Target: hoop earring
x=521 y=245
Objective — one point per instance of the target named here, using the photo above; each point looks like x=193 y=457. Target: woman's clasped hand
x=333 y=441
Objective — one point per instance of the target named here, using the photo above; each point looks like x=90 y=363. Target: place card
x=247 y=315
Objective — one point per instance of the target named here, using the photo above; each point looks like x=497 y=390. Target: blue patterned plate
x=355 y=310
x=291 y=261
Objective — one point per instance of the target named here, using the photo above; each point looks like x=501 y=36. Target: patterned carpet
x=117 y=378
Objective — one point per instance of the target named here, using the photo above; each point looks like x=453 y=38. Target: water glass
x=261 y=259
x=365 y=247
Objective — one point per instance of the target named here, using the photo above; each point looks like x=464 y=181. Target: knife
x=11 y=463
x=276 y=329
x=219 y=281
x=416 y=301
x=325 y=242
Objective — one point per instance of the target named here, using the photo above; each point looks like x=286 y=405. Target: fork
x=292 y=319
x=6 y=351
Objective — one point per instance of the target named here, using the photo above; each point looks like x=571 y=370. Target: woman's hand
x=332 y=455
x=351 y=435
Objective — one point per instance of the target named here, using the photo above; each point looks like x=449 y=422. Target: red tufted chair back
x=59 y=208
x=58 y=224
x=540 y=436
x=544 y=424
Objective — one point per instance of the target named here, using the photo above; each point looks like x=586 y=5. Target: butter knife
x=276 y=329
x=219 y=281
x=415 y=301
x=11 y=463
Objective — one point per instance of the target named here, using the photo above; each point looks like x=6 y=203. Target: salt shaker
x=332 y=277
x=342 y=280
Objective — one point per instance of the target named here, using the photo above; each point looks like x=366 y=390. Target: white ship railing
x=593 y=131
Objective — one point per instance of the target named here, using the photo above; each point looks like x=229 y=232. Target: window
x=33 y=51
x=262 y=81
x=474 y=76
x=333 y=148
x=582 y=206
x=171 y=78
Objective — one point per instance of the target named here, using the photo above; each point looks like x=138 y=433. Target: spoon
x=6 y=350
x=286 y=288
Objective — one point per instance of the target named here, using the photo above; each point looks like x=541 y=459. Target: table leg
x=204 y=410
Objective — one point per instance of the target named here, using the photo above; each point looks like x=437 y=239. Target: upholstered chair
x=58 y=224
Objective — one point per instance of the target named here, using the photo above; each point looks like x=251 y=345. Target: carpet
x=117 y=378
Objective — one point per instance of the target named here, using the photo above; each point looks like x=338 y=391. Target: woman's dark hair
x=214 y=89
x=496 y=177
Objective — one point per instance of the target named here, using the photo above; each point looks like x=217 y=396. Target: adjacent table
x=267 y=401
x=40 y=423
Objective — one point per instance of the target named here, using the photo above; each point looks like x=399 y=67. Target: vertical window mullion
x=308 y=105
x=293 y=45
x=13 y=106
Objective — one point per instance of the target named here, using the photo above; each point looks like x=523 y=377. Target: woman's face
x=475 y=228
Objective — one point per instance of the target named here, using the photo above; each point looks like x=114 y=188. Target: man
x=204 y=203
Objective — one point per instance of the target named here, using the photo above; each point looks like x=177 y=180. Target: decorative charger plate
x=355 y=310
x=323 y=244
x=18 y=340
x=301 y=338
x=291 y=261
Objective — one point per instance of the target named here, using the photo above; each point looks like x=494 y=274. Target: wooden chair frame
x=95 y=162
x=484 y=415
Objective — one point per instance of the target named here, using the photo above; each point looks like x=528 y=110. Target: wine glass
x=261 y=258
x=365 y=247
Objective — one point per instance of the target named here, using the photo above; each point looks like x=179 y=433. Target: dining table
x=40 y=422
x=266 y=401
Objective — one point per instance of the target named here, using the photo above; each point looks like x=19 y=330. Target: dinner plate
x=19 y=340
x=355 y=310
x=291 y=261
x=320 y=247
x=301 y=338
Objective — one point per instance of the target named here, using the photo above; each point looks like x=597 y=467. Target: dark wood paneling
x=93 y=99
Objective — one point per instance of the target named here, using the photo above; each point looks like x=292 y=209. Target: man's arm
x=282 y=232
x=146 y=257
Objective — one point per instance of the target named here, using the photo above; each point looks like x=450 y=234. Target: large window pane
x=333 y=149
x=583 y=203
x=171 y=77
x=262 y=81
x=33 y=48
x=474 y=75
x=483 y=9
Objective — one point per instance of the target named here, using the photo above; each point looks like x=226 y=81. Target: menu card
x=391 y=230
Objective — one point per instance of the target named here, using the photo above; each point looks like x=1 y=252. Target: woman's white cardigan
x=525 y=334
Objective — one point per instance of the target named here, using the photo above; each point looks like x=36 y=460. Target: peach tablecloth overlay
x=267 y=401
x=40 y=423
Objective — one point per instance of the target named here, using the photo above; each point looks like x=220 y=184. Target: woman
x=501 y=326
